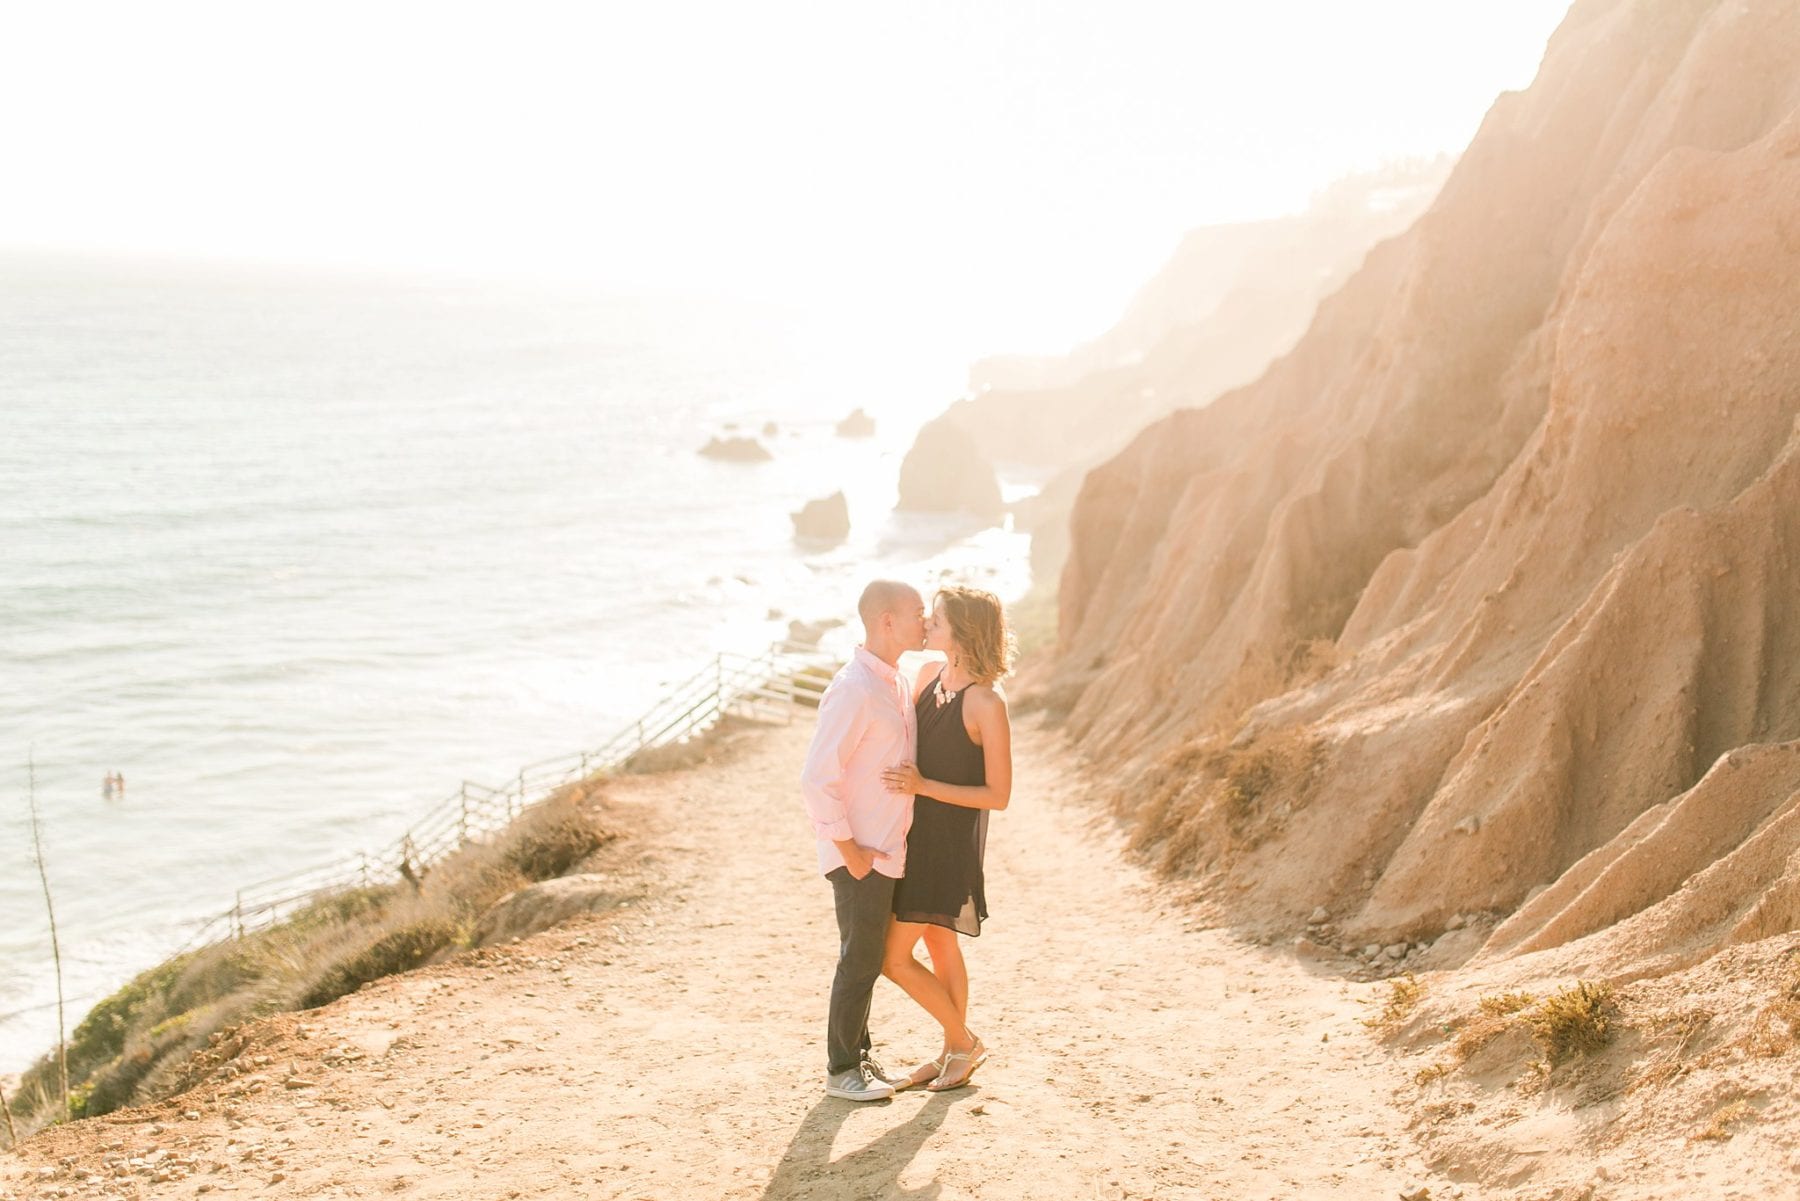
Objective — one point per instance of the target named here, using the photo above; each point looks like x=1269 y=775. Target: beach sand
x=674 y=1048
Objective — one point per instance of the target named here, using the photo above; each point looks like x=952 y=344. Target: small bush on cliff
x=102 y=1033
x=1205 y=800
x=1575 y=1021
x=397 y=950
x=1404 y=995
x=1165 y=793
x=548 y=844
x=353 y=904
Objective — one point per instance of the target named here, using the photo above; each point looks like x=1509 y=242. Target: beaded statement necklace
x=944 y=695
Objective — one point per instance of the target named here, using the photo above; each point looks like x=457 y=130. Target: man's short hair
x=883 y=596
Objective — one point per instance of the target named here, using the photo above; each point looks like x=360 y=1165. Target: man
x=865 y=726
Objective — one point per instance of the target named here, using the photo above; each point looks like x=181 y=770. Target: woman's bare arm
x=992 y=723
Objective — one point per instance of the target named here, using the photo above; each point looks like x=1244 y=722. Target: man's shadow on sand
x=806 y=1168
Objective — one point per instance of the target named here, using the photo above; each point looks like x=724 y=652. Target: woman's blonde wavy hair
x=978 y=624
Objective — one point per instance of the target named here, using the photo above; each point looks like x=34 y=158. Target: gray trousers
x=863 y=909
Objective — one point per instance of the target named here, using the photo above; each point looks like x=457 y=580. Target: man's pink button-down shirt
x=865 y=726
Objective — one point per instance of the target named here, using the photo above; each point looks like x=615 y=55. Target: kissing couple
x=899 y=781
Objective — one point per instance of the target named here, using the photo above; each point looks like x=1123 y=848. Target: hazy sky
x=1004 y=173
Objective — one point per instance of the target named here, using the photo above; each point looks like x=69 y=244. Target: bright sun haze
x=990 y=177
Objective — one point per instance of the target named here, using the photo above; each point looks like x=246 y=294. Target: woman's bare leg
x=921 y=985
x=947 y=965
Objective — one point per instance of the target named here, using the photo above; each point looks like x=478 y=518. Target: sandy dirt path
x=674 y=1049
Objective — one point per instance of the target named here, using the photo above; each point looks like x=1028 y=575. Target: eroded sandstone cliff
x=1482 y=600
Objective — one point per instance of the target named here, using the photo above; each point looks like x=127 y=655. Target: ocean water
x=297 y=552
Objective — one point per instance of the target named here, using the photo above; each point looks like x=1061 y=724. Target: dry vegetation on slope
x=137 y=1045
x=1466 y=637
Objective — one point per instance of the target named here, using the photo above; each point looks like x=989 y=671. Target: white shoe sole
x=844 y=1094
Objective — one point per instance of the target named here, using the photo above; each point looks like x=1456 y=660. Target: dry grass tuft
x=1206 y=799
x=1431 y=1074
x=1477 y=1033
x=1506 y=1003
x=1404 y=994
x=1496 y=1015
x=1575 y=1021
x=387 y=954
x=1264 y=782
x=545 y=845
x=1221 y=792
x=1719 y=1128
x=1670 y=1063
x=1164 y=792
x=1776 y=1028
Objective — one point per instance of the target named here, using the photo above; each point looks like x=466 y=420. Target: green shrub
x=113 y=1086
x=102 y=1033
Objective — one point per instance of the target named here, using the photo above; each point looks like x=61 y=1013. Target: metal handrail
x=780 y=675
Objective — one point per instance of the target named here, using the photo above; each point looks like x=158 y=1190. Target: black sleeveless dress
x=943 y=884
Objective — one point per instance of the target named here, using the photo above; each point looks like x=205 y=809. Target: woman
x=963 y=771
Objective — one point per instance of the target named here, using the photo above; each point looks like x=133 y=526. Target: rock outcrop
x=1480 y=601
x=1231 y=297
x=945 y=472
x=1228 y=302
x=808 y=633
x=857 y=425
x=736 y=450
x=824 y=520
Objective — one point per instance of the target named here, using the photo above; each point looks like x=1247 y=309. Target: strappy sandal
x=914 y=1080
x=973 y=1058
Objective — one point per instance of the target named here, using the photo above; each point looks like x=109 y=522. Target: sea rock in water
x=808 y=633
x=824 y=520
x=944 y=472
x=857 y=425
x=539 y=906
x=736 y=450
